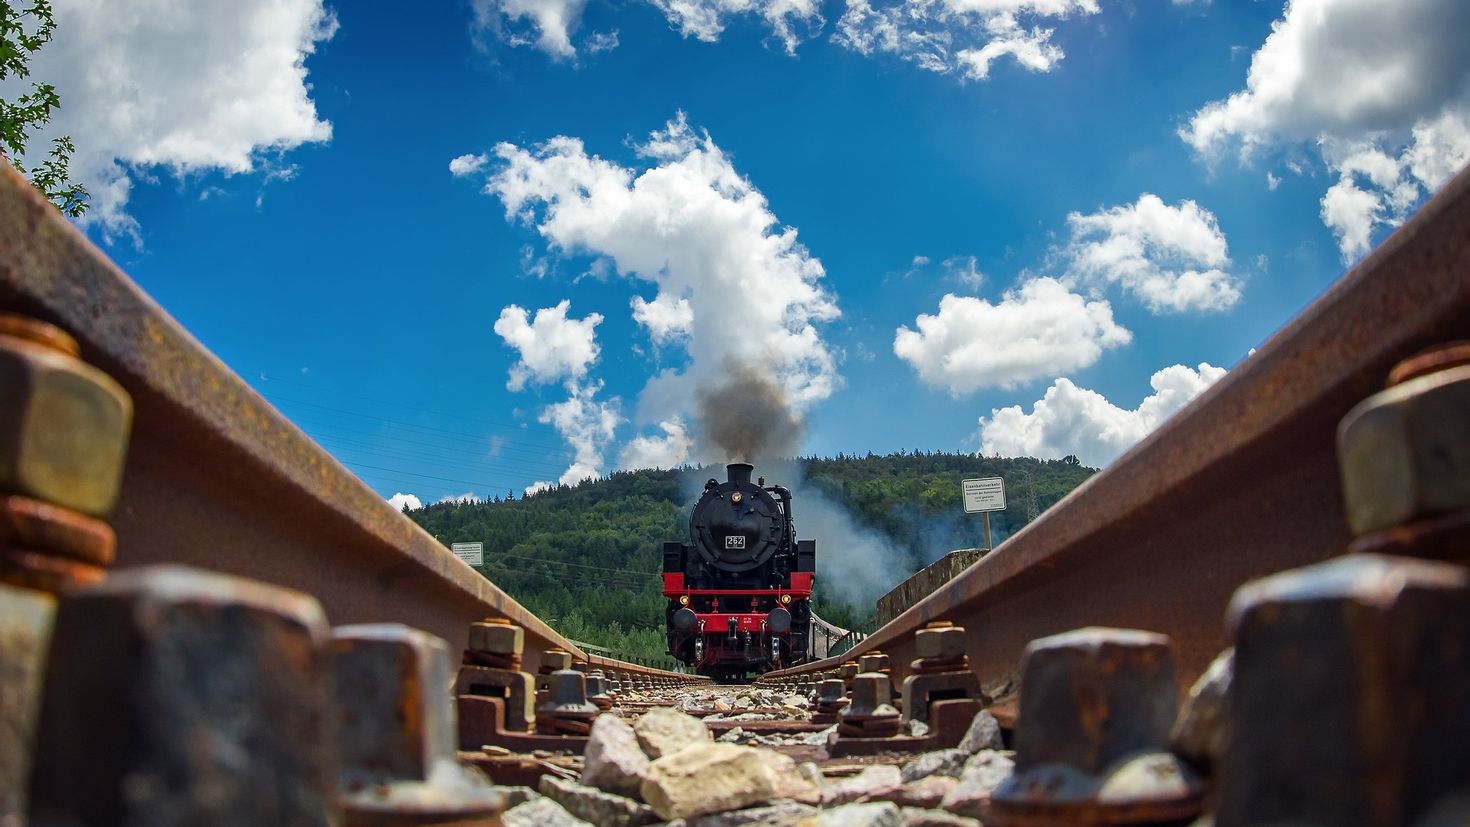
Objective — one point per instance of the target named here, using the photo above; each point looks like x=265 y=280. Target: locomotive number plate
x=735 y=541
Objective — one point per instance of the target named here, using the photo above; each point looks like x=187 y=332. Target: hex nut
x=497 y=638
x=394 y=717
x=1348 y=690
x=1092 y=696
x=64 y=428
x=194 y=697
x=1405 y=452
x=940 y=643
x=556 y=660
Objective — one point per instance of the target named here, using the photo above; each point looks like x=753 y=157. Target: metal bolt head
x=948 y=642
x=872 y=694
x=848 y=671
x=1348 y=693
x=557 y=659
x=64 y=428
x=873 y=662
x=497 y=638
x=831 y=691
x=569 y=691
x=394 y=717
x=1405 y=452
x=1091 y=696
x=178 y=696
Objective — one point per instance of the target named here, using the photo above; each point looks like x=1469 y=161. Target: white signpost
x=472 y=553
x=984 y=495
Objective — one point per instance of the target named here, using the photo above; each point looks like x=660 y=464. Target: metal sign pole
x=986 y=515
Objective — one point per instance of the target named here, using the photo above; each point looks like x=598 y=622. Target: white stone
x=707 y=778
x=540 y=812
x=663 y=731
x=614 y=760
x=884 y=814
x=873 y=781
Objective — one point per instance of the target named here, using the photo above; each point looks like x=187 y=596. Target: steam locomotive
x=740 y=591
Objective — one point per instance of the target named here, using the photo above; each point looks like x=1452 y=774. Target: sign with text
x=472 y=553
x=986 y=494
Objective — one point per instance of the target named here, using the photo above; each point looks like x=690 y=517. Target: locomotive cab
x=739 y=592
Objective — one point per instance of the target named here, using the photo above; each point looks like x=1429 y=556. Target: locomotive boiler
x=740 y=590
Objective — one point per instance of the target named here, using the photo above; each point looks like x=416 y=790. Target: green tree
x=23 y=31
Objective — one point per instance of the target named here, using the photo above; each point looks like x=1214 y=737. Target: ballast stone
x=982 y=774
x=615 y=762
x=594 y=805
x=662 y=731
x=540 y=812
x=707 y=778
x=884 y=814
x=871 y=782
x=780 y=812
x=948 y=762
x=984 y=733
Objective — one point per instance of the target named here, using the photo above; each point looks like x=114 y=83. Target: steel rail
x=1241 y=483
x=216 y=477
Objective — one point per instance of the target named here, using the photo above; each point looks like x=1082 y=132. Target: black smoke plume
x=748 y=417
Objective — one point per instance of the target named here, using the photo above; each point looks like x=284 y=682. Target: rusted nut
x=396 y=732
x=1405 y=452
x=555 y=660
x=191 y=698
x=942 y=643
x=566 y=711
x=871 y=713
x=497 y=638
x=63 y=426
x=847 y=671
x=25 y=632
x=1348 y=693
x=1440 y=357
x=874 y=662
x=1091 y=743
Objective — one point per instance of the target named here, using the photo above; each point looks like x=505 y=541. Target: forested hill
x=586 y=557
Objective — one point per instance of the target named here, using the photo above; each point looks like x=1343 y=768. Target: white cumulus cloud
x=961 y=37
x=1036 y=329
x=467 y=498
x=400 y=500
x=150 y=85
x=551 y=346
x=552 y=25
x=1073 y=420
x=733 y=285
x=468 y=164
x=1172 y=258
x=547 y=25
x=1356 y=77
x=667 y=451
x=588 y=425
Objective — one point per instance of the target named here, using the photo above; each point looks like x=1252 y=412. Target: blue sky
x=1133 y=196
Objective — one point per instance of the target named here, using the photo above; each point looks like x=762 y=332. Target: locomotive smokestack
x=739 y=471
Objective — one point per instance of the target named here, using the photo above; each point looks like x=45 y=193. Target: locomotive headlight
x=785 y=598
x=735 y=498
x=683 y=600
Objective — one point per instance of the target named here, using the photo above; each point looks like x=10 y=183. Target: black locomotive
x=740 y=591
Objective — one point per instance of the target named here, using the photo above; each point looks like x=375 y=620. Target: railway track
x=1257 y=613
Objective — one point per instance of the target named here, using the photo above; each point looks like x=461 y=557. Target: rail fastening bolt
x=1096 y=709
x=195 y=698
x=1405 y=452
x=1348 y=693
x=64 y=425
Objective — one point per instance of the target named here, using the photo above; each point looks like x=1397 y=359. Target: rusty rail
x=216 y=477
x=1241 y=483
